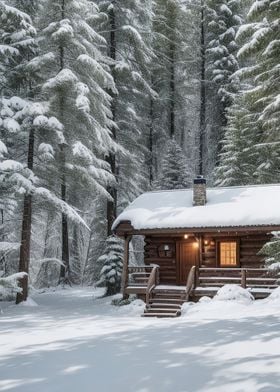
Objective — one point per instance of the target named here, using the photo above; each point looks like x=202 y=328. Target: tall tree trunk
x=3 y=258
x=151 y=141
x=24 y=257
x=112 y=204
x=65 y=269
x=172 y=89
x=202 y=92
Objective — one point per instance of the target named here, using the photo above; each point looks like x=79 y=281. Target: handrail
x=140 y=268
x=152 y=281
x=190 y=282
x=205 y=269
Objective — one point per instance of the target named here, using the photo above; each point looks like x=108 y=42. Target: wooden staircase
x=165 y=302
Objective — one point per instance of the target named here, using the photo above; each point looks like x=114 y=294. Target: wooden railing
x=245 y=277
x=140 y=268
x=142 y=280
x=152 y=282
x=190 y=282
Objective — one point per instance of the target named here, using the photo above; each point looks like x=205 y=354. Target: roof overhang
x=125 y=229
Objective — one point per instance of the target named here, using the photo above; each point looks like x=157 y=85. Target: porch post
x=200 y=243
x=125 y=265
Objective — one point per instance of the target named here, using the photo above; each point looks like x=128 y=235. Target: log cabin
x=197 y=240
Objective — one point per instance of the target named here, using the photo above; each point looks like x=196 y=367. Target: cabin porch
x=166 y=300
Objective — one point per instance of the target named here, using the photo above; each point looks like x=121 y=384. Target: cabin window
x=228 y=253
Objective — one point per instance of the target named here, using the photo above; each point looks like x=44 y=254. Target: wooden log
x=243 y=278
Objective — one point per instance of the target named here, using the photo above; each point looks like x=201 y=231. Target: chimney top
x=199 y=180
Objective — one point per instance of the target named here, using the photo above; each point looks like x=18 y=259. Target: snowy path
x=73 y=343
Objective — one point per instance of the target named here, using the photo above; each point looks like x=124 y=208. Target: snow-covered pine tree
x=222 y=20
x=238 y=155
x=29 y=134
x=260 y=53
x=175 y=77
x=18 y=44
x=111 y=261
x=272 y=252
x=174 y=171
x=75 y=79
x=129 y=34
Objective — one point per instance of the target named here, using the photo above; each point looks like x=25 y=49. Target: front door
x=187 y=257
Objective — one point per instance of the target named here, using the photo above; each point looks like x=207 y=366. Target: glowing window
x=228 y=253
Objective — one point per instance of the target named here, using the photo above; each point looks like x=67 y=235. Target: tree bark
x=65 y=269
x=202 y=92
x=24 y=257
x=172 y=90
x=111 y=159
x=151 y=142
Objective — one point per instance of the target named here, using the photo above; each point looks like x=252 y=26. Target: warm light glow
x=195 y=244
x=206 y=242
x=186 y=236
x=228 y=254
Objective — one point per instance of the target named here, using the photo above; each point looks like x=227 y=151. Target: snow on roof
x=225 y=207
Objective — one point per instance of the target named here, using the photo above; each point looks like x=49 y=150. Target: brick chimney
x=199 y=191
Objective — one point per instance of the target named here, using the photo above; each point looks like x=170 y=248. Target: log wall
x=249 y=246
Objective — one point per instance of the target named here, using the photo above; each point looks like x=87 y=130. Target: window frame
x=218 y=252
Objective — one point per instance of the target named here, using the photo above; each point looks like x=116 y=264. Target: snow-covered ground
x=73 y=342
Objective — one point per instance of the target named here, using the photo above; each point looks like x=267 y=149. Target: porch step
x=169 y=301
x=161 y=310
x=165 y=305
x=157 y=314
x=167 y=295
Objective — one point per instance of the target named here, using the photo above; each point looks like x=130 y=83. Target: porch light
x=166 y=247
x=186 y=236
x=206 y=242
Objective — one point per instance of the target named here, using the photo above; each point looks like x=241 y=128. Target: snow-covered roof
x=225 y=207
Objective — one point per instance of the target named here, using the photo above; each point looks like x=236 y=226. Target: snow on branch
x=60 y=205
x=9 y=286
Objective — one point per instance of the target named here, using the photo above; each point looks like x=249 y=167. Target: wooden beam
x=125 y=228
x=125 y=266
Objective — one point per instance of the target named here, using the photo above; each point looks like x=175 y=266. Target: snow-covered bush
x=112 y=261
x=275 y=295
x=119 y=301
x=232 y=292
x=9 y=286
x=136 y=307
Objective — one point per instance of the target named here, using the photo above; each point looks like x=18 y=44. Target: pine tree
x=75 y=79
x=129 y=24
x=174 y=77
x=111 y=260
x=222 y=20
x=174 y=173
x=260 y=53
x=238 y=154
x=272 y=252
